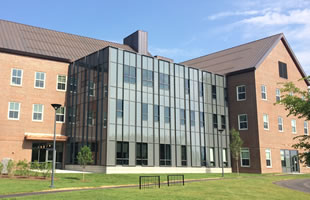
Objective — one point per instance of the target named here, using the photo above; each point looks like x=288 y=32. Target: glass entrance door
x=49 y=155
x=289 y=161
x=43 y=152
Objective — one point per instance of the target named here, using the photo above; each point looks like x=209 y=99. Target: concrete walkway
x=296 y=184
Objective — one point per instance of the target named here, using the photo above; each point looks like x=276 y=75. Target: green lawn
x=10 y=186
x=252 y=187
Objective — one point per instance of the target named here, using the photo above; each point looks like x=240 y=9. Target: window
x=60 y=114
x=119 y=108
x=280 y=124
x=183 y=155
x=144 y=111
x=306 y=128
x=165 y=155
x=14 y=109
x=264 y=92
x=241 y=93
x=156 y=113
x=283 y=70
x=223 y=121
x=212 y=163
x=201 y=89
x=71 y=114
x=213 y=91
x=105 y=119
x=268 y=157
x=245 y=157
x=106 y=91
x=167 y=115
x=91 y=88
x=141 y=153
x=278 y=95
x=283 y=162
x=187 y=87
x=39 y=80
x=293 y=123
x=164 y=82
x=214 y=121
x=122 y=153
x=129 y=74
x=182 y=117
x=225 y=158
x=73 y=84
x=147 y=78
x=17 y=77
x=61 y=82
x=192 y=118
x=266 y=121
x=243 y=121
x=203 y=156
x=37 y=112
x=202 y=120
x=90 y=118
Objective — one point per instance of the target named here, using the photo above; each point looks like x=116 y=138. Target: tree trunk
x=237 y=161
x=83 y=173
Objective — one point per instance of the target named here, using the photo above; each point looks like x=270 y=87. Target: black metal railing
x=149 y=181
x=175 y=179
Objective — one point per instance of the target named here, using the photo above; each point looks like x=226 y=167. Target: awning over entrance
x=45 y=137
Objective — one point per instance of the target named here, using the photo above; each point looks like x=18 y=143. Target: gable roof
x=242 y=58
x=39 y=42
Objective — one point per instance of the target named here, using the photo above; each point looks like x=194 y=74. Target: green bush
x=22 y=168
x=46 y=169
x=36 y=166
x=10 y=167
x=1 y=168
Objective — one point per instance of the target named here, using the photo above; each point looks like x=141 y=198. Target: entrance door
x=49 y=155
x=294 y=161
x=289 y=161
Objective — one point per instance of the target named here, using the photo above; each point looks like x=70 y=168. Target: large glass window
x=119 y=108
x=268 y=157
x=183 y=155
x=283 y=70
x=241 y=93
x=182 y=117
x=71 y=114
x=187 y=87
x=14 y=109
x=192 y=118
x=16 y=77
x=245 y=157
x=223 y=120
x=212 y=162
x=165 y=154
x=73 y=84
x=266 y=121
x=39 y=80
x=213 y=91
x=60 y=114
x=61 y=82
x=122 y=153
x=243 y=121
x=37 y=112
x=280 y=124
x=145 y=112
x=90 y=118
x=141 y=153
x=278 y=95
x=201 y=89
x=91 y=88
x=129 y=74
x=203 y=156
x=215 y=121
x=147 y=78
x=202 y=119
x=293 y=123
x=225 y=157
x=283 y=162
x=164 y=82
x=156 y=113
x=264 y=92
x=306 y=128
x=167 y=115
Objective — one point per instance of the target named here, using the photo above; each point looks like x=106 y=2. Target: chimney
x=138 y=41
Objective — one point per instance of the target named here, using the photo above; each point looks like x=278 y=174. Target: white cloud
x=304 y=59
x=179 y=54
x=236 y=13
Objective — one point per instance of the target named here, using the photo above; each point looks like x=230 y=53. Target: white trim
x=264 y=114
x=247 y=149
x=21 y=78
x=40 y=80
x=247 y=122
x=261 y=92
x=34 y=120
x=281 y=124
x=237 y=91
x=292 y=126
x=19 y=106
x=268 y=151
x=65 y=83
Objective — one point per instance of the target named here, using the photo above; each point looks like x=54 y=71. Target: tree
x=297 y=102
x=235 y=146
x=84 y=158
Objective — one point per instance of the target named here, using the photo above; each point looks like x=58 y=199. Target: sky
x=177 y=29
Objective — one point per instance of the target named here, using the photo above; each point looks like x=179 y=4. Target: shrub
x=22 y=168
x=10 y=167
x=46 y=169
x=36 y=166
x=1 y=168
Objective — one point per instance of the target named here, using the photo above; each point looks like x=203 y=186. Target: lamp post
x=56 y=107
x=222 y=160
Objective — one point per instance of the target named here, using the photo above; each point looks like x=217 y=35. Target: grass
x=11 y=186
x=252 y=187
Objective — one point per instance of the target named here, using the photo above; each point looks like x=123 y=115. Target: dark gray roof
x=15 y=37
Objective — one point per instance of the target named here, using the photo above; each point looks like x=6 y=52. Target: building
x=138 y=113
x=253 y=71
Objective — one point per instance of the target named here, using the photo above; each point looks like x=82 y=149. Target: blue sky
x=178 y=29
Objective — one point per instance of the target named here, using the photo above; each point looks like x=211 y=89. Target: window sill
x=13 y=119
x=37 y=120
x=241 y=99
x=39 y=88
x=16 y=85
x=246 y=166
x=61 y=90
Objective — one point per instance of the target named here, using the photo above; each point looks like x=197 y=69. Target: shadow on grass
x=72 y=178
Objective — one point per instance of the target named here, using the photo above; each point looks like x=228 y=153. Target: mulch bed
x=25 y=177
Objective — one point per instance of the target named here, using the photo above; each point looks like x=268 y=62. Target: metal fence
x=175 y=180
x=149 y=181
